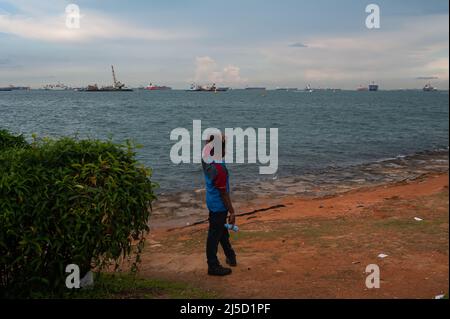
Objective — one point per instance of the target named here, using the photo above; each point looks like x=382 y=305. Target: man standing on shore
x=219 y=205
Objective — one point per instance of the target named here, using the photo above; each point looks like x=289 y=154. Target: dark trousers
x=217 y=233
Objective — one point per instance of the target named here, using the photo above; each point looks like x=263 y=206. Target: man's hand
x=232 y=218
x=227 y=201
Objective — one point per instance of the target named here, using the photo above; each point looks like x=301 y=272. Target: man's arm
x=227 y=201
x=220 y=182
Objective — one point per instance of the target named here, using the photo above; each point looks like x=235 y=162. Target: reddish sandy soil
x=319 y=248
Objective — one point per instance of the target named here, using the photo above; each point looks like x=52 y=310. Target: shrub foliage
x=68 y=201
x=8 y=140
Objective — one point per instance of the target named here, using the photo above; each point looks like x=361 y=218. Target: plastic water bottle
x=232 y=227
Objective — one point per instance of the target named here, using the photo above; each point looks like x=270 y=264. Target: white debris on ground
x=88 y=280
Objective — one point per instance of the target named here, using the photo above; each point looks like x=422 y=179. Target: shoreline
x=320 y=247
x=183 y=208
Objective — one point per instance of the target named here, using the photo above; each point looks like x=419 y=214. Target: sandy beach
x=319 y=247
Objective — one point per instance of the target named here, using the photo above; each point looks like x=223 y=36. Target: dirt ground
x=319 y=248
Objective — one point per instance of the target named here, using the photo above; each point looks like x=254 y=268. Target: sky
x=236 y=43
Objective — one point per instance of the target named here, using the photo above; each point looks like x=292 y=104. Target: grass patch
x=431 y=208
x=409 y=225
x=311 y=229
x=129 y=286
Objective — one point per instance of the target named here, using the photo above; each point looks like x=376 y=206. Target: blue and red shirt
x=217 y=180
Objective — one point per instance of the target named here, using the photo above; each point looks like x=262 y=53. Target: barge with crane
x=116 y=87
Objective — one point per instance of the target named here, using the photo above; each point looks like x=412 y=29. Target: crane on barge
x=117 y=84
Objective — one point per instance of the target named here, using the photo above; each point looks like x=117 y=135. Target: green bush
x=68 y=201
x=8 y=140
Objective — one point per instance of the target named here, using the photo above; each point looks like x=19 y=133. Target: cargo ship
x=152 y=87
x=56 y=87
x=207 y=88
x=362 y=88
x=198 y=88
x=255 y=88
x=308 y=88
x=91 y=87
x=373 y=87
x=286 y=89
x=429 y=88
x=15 y=88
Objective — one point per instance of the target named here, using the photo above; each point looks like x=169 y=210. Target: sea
x=323 y=136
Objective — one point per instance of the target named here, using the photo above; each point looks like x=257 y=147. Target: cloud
x=92 y=26
x=298 y=45
x=205 y=67
x=438 y=67
x=389 y=55
x=207 y=70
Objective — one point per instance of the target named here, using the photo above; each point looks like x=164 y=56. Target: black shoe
x=231 y=262
x=219 y=271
